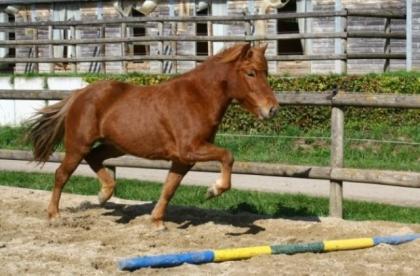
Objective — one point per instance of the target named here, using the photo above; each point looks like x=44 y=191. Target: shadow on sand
x=243 y=215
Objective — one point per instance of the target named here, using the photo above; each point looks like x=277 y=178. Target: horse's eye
x=251 y=73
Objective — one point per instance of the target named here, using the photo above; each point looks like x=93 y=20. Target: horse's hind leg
x=62 y=174
x=175 y=175
x=95 y=159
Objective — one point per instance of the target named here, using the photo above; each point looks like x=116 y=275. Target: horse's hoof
x=53 y=216
x=159 y=226
x=209 y=194
x=212 y=192
x=103 y=198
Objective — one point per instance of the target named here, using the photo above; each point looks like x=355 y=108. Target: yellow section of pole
x=348 y=244
x=240 y=253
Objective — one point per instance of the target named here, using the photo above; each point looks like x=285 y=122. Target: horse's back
x=92 y=103
x=121 y=114
x=102 y=90
x=145 y=121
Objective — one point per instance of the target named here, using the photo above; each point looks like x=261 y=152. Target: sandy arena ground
x=89 y=240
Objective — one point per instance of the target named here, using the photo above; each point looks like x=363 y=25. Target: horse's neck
x=212 y=81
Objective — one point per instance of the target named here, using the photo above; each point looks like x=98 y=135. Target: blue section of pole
x=395 y=239
x=169 y=260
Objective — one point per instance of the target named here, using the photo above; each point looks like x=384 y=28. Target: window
x=288 y=26
x=139 y=49
x=202 y=47
x=5 y=35
x=12 y=36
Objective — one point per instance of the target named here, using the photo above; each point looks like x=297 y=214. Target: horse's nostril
x=273 y=111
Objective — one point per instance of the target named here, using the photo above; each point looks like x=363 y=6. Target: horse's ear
x=238 y=52
x=263 y=47
x=245 y=51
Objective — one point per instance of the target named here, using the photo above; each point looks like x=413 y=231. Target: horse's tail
x=46 y=128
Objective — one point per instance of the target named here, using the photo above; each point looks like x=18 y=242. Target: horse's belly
x=142 y=139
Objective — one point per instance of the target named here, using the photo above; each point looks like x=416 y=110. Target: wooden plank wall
x=358 y=45
x=319 y=46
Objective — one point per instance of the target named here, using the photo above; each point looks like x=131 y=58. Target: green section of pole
x=315 y=247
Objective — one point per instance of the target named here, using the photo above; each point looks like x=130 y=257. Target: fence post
x=387 y=47
x=248 y=27
x=51 y=47
x=344 y=22
x=337 y=157
x=73 y=48
x=210 y=32
x=409 y=35
x=161 y=46
x=340 y=44
x=124 y=46
x=102 y=47
x=337 y=41
x=174 y=48
x=36 y=52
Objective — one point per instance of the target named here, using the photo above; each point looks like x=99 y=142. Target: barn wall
x=90 y=11
x=356 y=45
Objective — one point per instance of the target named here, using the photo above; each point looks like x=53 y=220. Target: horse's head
x=249 y=85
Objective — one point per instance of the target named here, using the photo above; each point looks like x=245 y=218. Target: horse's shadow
x=242 y=215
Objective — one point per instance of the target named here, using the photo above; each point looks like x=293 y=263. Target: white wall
x=24 y=109
x=3 y=35
x=7 y=107
x=14 y=112
x=219 y=8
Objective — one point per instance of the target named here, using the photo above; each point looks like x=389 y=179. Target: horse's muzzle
x=268 y=112
x=273 y=111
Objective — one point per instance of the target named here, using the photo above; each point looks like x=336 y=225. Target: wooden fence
x=335 y=172
x=342 y=33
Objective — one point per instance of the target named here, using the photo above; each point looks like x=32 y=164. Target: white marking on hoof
x=214 y=190
x=102 y=198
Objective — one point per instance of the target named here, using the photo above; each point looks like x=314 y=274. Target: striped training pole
x=208 y=256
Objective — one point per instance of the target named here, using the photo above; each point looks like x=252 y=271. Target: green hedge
x=307 y=117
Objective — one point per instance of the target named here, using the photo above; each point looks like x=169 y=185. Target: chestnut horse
x=176 y=120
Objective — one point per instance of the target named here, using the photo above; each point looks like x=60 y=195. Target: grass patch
x=384 y=149
x=13 y=138
x=234 y=201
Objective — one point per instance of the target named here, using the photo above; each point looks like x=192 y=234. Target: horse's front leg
x=210 y=152
x=175 y=175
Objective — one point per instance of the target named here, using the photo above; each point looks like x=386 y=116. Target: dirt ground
x=89 y=240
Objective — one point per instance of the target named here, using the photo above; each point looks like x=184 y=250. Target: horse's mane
x=234 y=53
x=224 y=56
x=228 y=54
